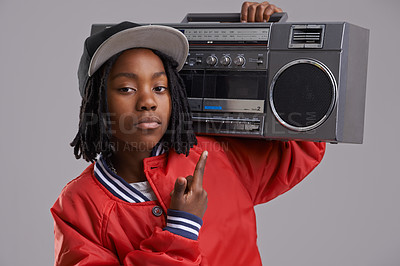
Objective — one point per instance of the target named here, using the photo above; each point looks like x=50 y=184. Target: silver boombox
x=275 y=80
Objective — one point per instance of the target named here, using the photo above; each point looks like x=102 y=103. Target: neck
x=128 y=162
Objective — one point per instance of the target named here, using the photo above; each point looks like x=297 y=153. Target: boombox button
x=211 y=60
x=225 y=60
x=260 y=61
x=251 y=127
x=239 y=61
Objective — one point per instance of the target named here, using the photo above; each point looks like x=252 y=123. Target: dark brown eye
x=160 y=89
x=126 y=90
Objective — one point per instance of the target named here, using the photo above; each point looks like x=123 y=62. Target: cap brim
x=165 y=39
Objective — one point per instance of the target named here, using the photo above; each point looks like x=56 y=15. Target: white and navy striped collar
x=116 y=184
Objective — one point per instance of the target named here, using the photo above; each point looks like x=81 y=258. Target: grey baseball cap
x=100 y=47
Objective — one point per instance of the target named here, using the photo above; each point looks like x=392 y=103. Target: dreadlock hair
x=94 y=132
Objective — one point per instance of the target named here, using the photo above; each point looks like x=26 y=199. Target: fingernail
x=205 y=154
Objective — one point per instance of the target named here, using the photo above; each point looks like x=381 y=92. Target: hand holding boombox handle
x=227 y=17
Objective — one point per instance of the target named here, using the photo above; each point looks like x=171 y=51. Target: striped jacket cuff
x=183 y=223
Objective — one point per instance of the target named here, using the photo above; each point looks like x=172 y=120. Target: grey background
x=345 y=213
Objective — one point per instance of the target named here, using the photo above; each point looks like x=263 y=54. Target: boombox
x=275 y=80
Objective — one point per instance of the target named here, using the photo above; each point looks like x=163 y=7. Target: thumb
x=180 y=186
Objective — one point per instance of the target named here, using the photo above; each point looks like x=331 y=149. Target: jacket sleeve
x=79 y=240
x=268 y=169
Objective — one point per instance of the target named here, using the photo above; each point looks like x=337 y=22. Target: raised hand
x=188 y=194
x=258 y=12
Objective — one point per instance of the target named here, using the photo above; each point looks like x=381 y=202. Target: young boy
x=148 y=198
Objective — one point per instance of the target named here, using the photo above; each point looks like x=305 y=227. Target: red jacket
x=94 y=227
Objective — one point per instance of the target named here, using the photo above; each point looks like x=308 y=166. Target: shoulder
x=81 y=208
x=82 y=192
x=259 y=148
x=231 y=144
x=81 y=185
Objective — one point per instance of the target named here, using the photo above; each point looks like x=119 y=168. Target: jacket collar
x=116 y=184
x=161 y=173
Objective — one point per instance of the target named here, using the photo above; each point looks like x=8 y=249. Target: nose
x=146 y=100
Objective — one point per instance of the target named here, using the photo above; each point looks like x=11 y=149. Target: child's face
x=138 y=99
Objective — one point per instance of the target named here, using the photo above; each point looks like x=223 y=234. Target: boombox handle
x=227 y=17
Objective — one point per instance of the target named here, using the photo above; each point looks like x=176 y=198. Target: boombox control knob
x=225 y=60
x=211 y=60
x=239 y=60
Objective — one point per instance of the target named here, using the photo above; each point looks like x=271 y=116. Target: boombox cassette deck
x=275 y=80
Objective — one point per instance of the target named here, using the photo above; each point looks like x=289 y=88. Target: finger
x=189 y=180
x=267 y=13
x=271 y=9
x=180 y=187
x=244 y=11
x=199 y=171
x=259 y=16
x=251 y=12
x=246 y=16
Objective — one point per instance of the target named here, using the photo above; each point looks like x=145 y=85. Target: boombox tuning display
x=275 y=80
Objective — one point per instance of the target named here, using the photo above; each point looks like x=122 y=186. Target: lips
x=148 y=122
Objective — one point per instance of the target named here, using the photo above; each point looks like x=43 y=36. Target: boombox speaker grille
x=303 y=94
